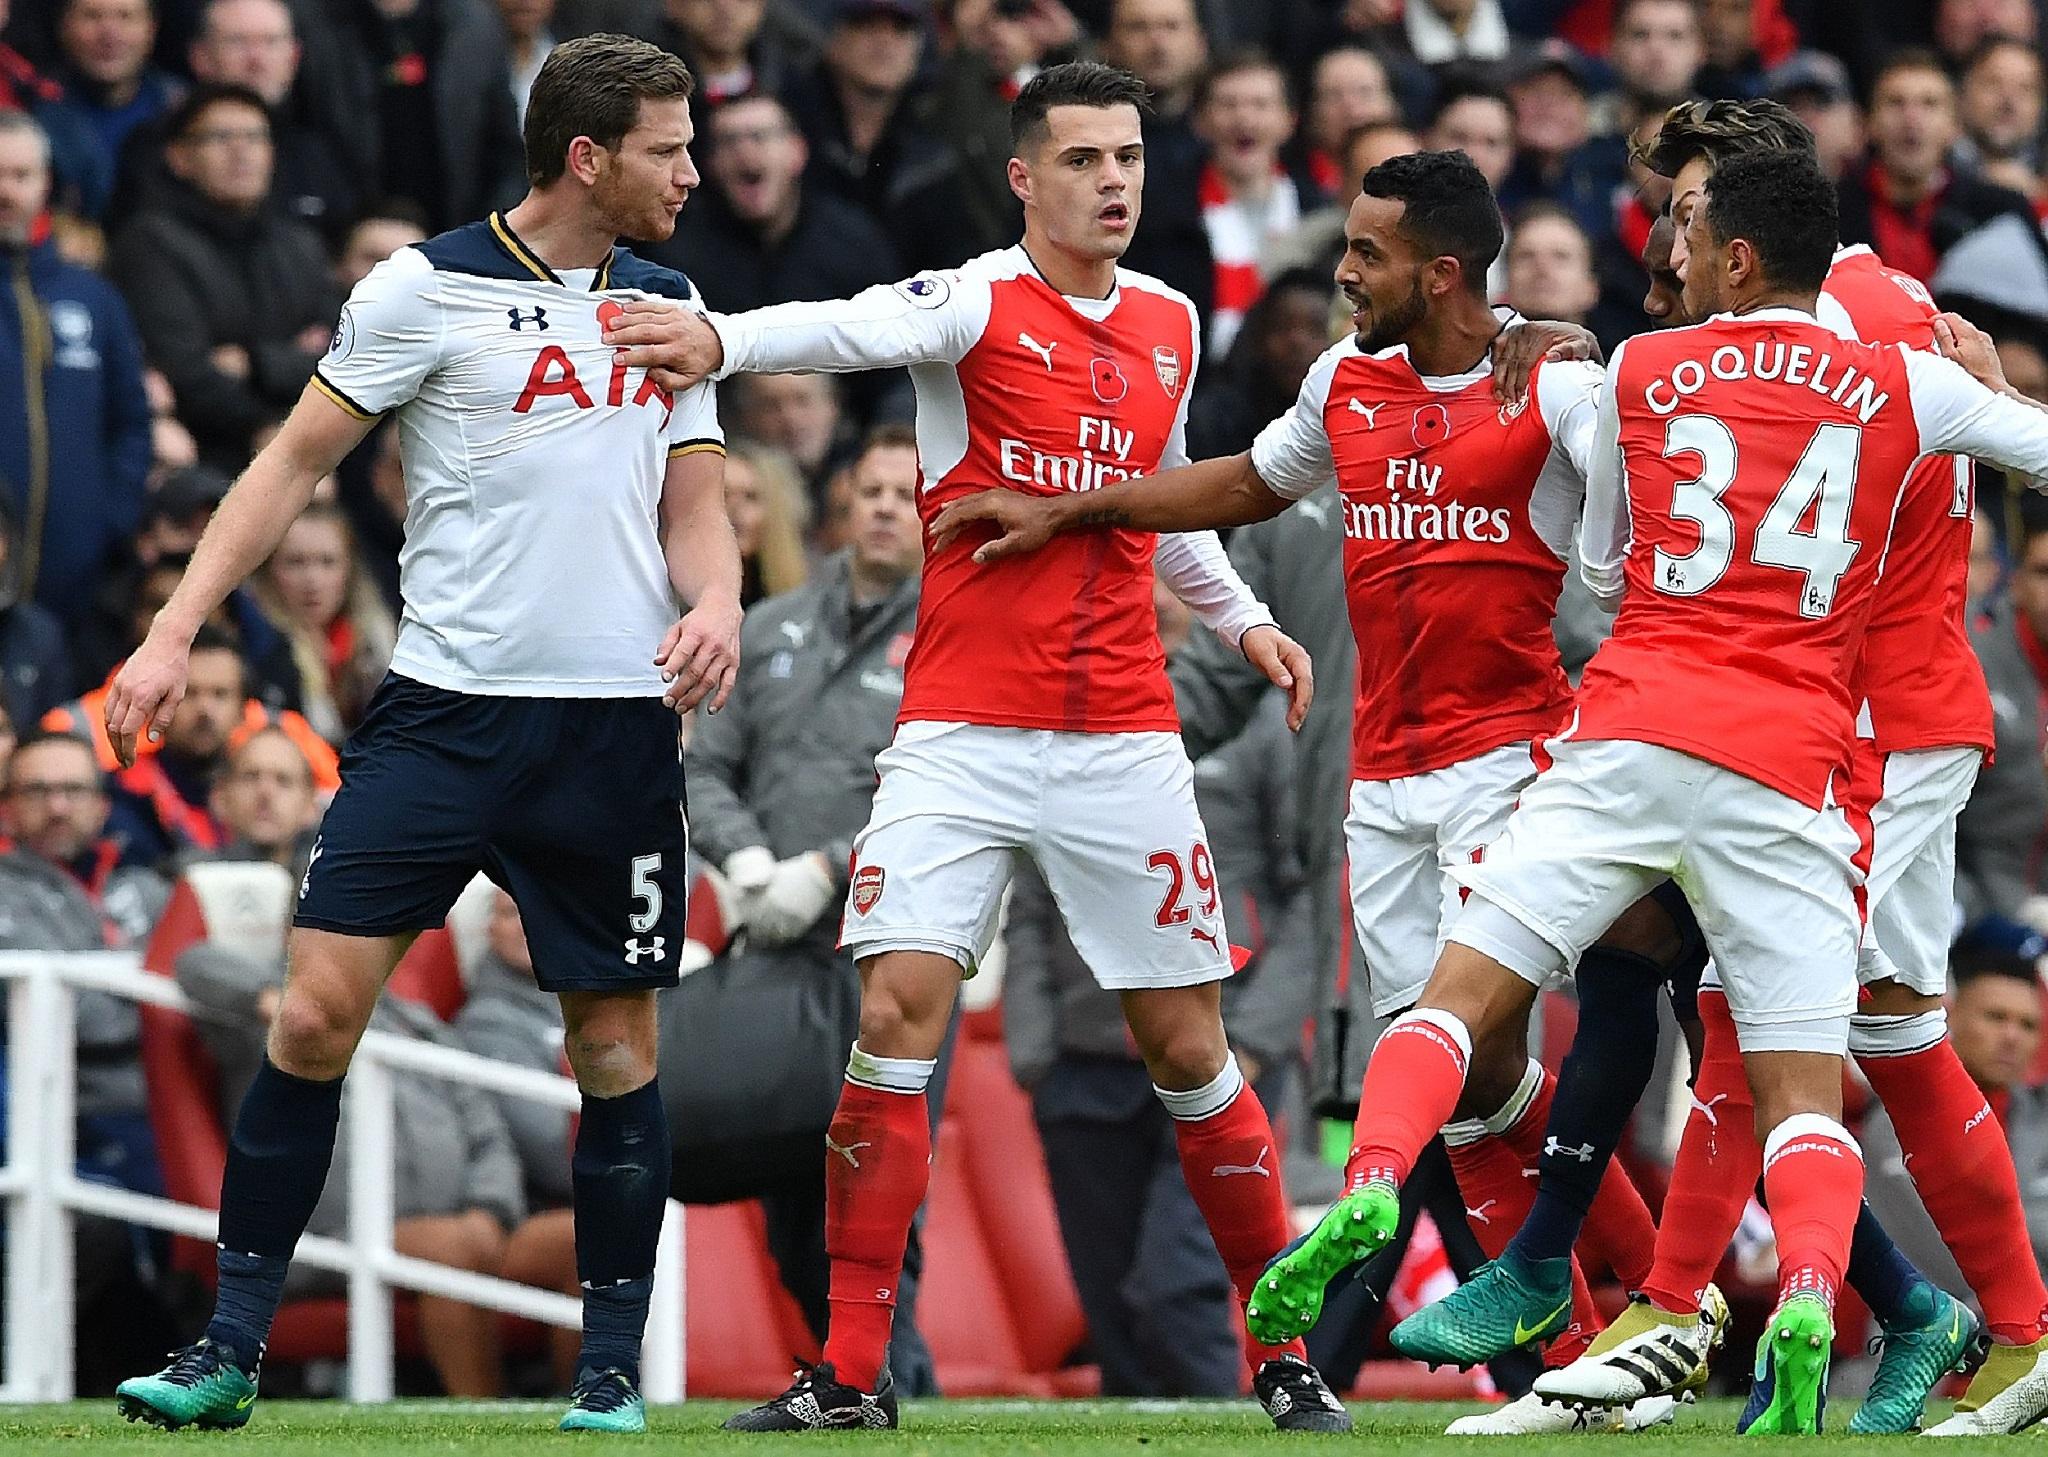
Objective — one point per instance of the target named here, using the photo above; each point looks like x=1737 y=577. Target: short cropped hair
x=1072 y=83
x=1449 y=208
x=1784 y=207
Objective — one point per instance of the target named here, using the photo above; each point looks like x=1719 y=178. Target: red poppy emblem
x=608 y=313
x=1110 y=384
x=1432 y=426
x=867 y=888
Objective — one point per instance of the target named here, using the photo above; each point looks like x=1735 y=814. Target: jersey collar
x=1777 y=315
x=515 y=246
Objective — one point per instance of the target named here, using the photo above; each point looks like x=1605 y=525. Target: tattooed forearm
x=1102 y=516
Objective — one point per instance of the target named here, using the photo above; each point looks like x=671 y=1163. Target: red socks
x=1813 y=1182
x=1717 y=1168
x=1231 y=1162
x=1411 y=1089
x=1960 y=1164
x=878 y=1157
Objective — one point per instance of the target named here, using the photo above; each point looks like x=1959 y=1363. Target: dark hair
x=1721 y=131
x=1448 y=208
x=211 y=639
x=185 y=115
x=1784 y=207
x=1977 y=955
x=592 y=87
x=1912 y=58
x=1071 y=83
x=1240 y=61
x=1544 y=210
x=1990 y=46
x=1371 y=129
x=1469 y=88
x=890 y=435
x=391 y=210
x=36 y=737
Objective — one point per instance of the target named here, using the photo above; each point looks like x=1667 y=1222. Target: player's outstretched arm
x=243 y=533
x=700 y=655
x=1207 y=494
x=1958 y=339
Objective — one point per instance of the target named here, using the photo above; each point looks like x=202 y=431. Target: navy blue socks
x=620 y=1173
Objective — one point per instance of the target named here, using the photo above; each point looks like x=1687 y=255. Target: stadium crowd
x=188 y=190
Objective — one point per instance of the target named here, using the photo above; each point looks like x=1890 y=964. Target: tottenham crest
x=1166 y=364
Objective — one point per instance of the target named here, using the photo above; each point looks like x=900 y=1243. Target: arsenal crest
x=867 y=888
x=1432 y=426
x=1110 y=384
x=1166 y=363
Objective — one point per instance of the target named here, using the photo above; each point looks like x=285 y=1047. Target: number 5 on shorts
x=645 y=891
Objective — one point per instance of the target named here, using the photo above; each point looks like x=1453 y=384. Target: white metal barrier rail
x=42 y=1192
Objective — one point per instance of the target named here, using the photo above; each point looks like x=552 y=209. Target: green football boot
x=1288 y=1299
x=605 y=1401
x=202 y=1387
x=1940 y=1335
x=1792 y=1358
x=1510 y=1303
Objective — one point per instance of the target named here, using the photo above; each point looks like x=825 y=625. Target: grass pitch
x=931 y=1429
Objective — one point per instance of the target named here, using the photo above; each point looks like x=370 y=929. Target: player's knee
x=313 y=1035
x=903 y=1016
x=1188 y=1055
x=607 y=1064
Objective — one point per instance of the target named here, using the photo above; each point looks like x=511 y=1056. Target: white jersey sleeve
x=1568 y=398
x=933 y=318
x=1292 y=454
x=1957 y=414
x=388 y=340
x=1196 y=569
x=1605 y=535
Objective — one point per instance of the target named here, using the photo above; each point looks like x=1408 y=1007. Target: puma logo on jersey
x=1478 y=1216
x=1043 y=351
x=1196 y=932
x=846 y=1150
x=1706 y=1109
x=539 y=320
x=1371 y=412
x=1256 y=1166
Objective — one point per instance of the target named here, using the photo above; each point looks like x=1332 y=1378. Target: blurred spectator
x=376 y=235
x=250 y=43
x=1162 y=43
x=1550 y=266
x=317 y=591
x=1816 y=87
x=1994 y=1020
x=109 y=83
x=456 y=1181
x=171 y=446
x=1161 y=1319
x=761 y=233
x=1733 y=68
x=2001 y=104
x=267 y=802
x=1440 y=32
x=74 y=420
x=780 y=781
x=82 y=175
x=866 y=145
x=1477 y=120
x=35 y=665
x=1256 y=382
x=529 y=36
x=1961 y=26
x=800 y=415
x=172 y=518
x=164 y=804
x=768 y=510
x=1987 y=564
x=2000 y=836
x=422 y=95
x=506 y=1017
x=1249 y=201
x=1316 y=245
x=1906 y=202
x=1557 y=157
x=1658 y=49
x=735 y=47
x=235 y=299
x=1348 y=89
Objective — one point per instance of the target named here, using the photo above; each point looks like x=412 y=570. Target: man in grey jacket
x=1999 y=838
x=780 y=781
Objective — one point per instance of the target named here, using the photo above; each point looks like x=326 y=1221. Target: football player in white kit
x=559 y=505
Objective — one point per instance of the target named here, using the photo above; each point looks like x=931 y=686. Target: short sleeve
x=387 y=341
x=693 y=423
x=1292 y=455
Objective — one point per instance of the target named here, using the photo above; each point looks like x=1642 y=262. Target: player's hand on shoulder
x=676 y=346
x=145 y=693
x=1521 y=347
x=700 y=655
x=1022 y=523
x=1287 y=666
x=1956 y=338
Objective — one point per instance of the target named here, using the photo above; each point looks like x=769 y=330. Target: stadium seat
x=962 y=1305
x=429 y=975
x=743 y=1329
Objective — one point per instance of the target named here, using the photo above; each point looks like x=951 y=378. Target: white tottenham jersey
x=533 y=563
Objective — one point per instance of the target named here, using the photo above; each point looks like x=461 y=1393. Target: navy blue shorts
x=574 y=805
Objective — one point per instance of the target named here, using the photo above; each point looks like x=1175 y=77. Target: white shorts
x=1109 y=819
x=1911 y=899
x=1772 y=882
x=1402 y=837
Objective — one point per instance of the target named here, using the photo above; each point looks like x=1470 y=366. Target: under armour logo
x=636 y=948
x=1043 y=351
x=1371 y=412
x=1583 y=1153
x=846 y=1150
x=520 y=321
x=1256 y=1166
x=1478 y=1216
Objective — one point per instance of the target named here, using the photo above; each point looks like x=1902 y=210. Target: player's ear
x=582 y=162
x=1019 y=172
